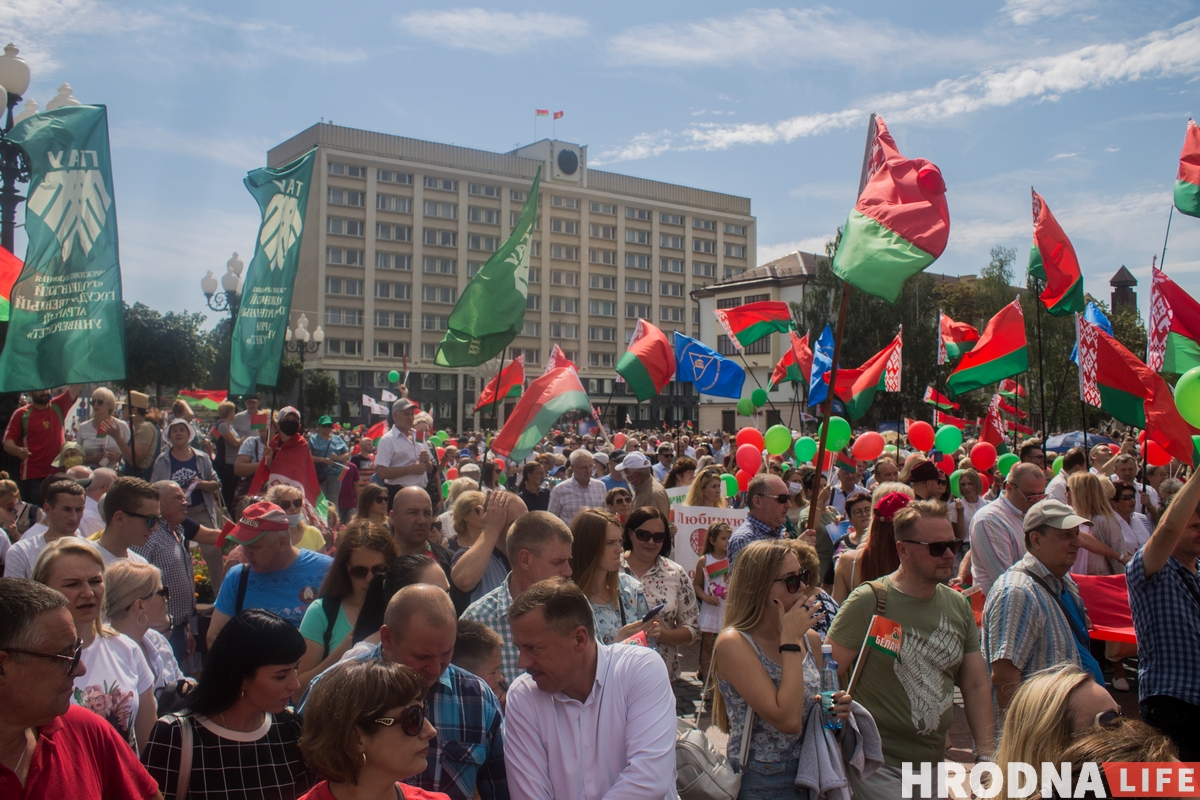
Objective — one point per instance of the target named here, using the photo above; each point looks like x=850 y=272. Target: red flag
x=803 y=354
x=1053 y=260
x=292 y=465
x=942 y=418
x=993 y=425
x=558 y=115
x=541 y=112
x=1016 y=412
x=375 y=431
x=558 y=359
x=510 y=378
x=10 y=270
x=1012 y=426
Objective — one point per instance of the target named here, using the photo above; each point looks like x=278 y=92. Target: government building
x=396 y=227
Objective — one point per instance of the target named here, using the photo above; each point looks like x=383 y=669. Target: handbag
x=701 y=773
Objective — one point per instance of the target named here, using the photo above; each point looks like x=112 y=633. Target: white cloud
x=495 y=32
x=1060 y=156
x=1112 y=149
x=1168 y=53
x=223 y=149
x=813 y=244
x=1026 y=12
x=34 y=24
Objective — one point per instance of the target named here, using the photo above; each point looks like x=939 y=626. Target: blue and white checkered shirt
x=1166 y=616
x=492 y=610
x=752 y=529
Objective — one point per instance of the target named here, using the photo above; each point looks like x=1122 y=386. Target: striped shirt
x=997 y=541
x=492 y=610
x=1023 y=623
x=569 y=498
x=1166 y=616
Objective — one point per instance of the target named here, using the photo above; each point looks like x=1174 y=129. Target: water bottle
x=829 y=685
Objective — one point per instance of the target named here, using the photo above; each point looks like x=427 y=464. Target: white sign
x=691 y=528
x=678 y=494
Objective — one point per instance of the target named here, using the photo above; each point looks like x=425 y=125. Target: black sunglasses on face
x=164 y=593
x=72 y=660
x=286 y=504
x=359 y=573
x=646 y=536
x=938 y=549
x=152 y=520
x=411 y=719
x=1124 y=498
x=793 y=582
x=780 y=498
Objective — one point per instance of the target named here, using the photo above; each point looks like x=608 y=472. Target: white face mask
x=295 y=519
x=794 y=488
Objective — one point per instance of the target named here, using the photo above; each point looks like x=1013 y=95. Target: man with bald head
x=101 y=479
x=419 y=629
x=997 y=529
x=412 y=519
x=578 y=492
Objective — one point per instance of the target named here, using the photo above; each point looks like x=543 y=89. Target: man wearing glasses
x=1034 y=617
x=997 y=530
x=131 y=513
x=767 y=499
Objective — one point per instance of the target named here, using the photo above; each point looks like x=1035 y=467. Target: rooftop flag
x=1052 y=260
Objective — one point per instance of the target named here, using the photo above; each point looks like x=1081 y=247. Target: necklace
x=24 y=751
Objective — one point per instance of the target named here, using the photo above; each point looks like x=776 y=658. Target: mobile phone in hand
x=654 y=612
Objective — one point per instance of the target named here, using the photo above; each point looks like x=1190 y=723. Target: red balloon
x=946 y=465
x=983 y=456
x=452 y=473
x=985 y=483
x=920 y=435
x=868 y=447
x=752 y=436
x=619 y=440
x=1115 y=448
x=441 y=451
x=743 y=479
x=1142 y=437
x=1156 y=455
x=749 y=458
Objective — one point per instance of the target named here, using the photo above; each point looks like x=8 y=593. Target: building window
x=602 y=308
x=349 y=256
x=671 y=265
x=637 y=286
x=388 y=290
x=564 y=226
x=440 y=238
x=636 y=310
x=344 y=316
x=393 y=261
x=397 y=233
x=473 y=267
x=560 y=277
x=564 y=305
x=532 y=329
x=518 y=195
x=602 y=208
x=670 y=219
x=391 y=202
x=669 y=314
x=391 y=349
x=535 y=248
x=603 y=282
x=638 y=213
x=533 y=302
x=597 y=333
x=562 y=330
x=635 y=236
x=736 y=230
x=603 y=257
x=428 y=350
x=381 y=381
x=349 y=170
x=344 y=227
x=443 y=210
x=488 y=244
x=351 y=379
x=695 y=316
x=733 y=272
x=729 y=302
x=438 y=294
x=343 y=347
x=726 y=348
x=351 y=287
x=704 y=246
x=634 y=261
x=668 y=289
x=346 y=197
x=704 y=224
x=602 y=231
x=701 y=270
x=564 y=202
x=441 y=184
x=439 y=266
x=535 y=274
x=393 y=319
x=515 y=216
x=756 y=298
x=388 y=176
x=600 y=359
x=564 y=252
x=483 y=190
x=485 y=216
x=429 y=381
x=735 y=250
x=435 y=322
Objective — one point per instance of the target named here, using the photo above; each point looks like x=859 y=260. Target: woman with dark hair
x=536 y=496
x=619 y=502
x=403 y=571
x=244 y=741
x=682 y=473
x=373 y=504
x=364 y=550
x=877 y=557
x=647 y=544
x=617 y=600
x=365 y=730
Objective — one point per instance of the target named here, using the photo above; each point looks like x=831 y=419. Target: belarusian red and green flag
x=942 y=418
x=648 y=363
x=542 y=405
x=746 y=324
x=1052 y=260
x=1011 y=390
x=846 y=462
x=993 y=428
x=10 y=270
x=857 y=387
x=999 y=354
x=900 y=224
x=938 y=400
x=796 y=363
x=1187 y=182
x=507 y=383
x=954 y=339
x=1174 y=327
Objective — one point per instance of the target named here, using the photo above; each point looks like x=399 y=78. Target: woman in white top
x=104 y=437
x=1135 y=527
x=117 y=683
x=135 y=603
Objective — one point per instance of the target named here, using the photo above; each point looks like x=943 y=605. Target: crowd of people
x=459 y=625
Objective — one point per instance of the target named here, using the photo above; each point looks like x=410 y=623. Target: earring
x=364 y=758
x=142 y=620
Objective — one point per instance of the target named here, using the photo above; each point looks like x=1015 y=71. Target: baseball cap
x=258 y=519
x=324 y=420
x=635 y=460
x=600 y=458
x=403 y=404
x=1054 y=513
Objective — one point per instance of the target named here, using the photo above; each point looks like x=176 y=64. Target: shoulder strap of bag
x=331 y=606
x=243 y=582
x=185 y=756
x=1080 y=636
x=880 y=595
x=747 y=730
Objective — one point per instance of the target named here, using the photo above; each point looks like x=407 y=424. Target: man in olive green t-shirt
x=911 y=698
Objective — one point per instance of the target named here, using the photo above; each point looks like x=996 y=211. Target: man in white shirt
x=663 y=467
x=578 y=492
x=64 y=508
x=399 y=459
x=847 y=485
x=93 y=522
x=131 y=514
x=998 y=530
x=1074 y=461
x=586 y=720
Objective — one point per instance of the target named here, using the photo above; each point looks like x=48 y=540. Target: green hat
x=325 y=420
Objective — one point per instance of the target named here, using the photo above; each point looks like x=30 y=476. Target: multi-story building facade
x=396 y=227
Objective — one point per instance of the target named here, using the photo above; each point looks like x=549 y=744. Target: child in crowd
x=709 y=581
x=477 y=650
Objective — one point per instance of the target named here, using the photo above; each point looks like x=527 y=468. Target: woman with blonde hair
x=16 y=516
x=117 y=682
x=227 y=447
x=135 y=604
x=104 y=438
x=469 y=582
x=707 y=489
x=763 y=661
x=618 y=602
x=291 y=500
x=457 y=486
x=1102 y=548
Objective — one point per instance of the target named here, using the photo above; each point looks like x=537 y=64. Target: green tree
x=320 y=392
x=166 y=350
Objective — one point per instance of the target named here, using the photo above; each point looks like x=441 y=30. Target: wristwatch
x=790 y=648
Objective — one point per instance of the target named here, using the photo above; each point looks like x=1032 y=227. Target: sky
x=1084 y=100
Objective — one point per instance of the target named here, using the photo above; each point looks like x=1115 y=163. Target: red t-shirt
x=43 y=435
x=80 y=755
x=321 y=792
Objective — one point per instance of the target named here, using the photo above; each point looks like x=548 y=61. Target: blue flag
x=1094 y=315
x=711 y=372
x=818 y=384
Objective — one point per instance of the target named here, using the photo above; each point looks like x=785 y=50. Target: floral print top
x=608 y=616
x=668 y=583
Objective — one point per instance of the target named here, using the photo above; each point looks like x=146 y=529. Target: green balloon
x=502 y=478
x=889 y=448
x=1187 y=396
x=443 y=435
x=745 y=407
x=778 y=439
x=445 y=489
x=1057 y=465
x=759 y=397
x=1007 y=462
x=947 y=439
x=731 y=487
x=393 y=377
x=805 y=449
x=839 y=433
x=954 y=478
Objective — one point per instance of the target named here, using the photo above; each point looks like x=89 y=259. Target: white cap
x=635 y=460
x=826 y=648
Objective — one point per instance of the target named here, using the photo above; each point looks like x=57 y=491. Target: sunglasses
x=411 y=719
x=783 y=499
x=286 y=504
x=1034 y=498
x=623 y=500
x=381 y=499
x=360 y=573
x=164 y=593
x=938 y=549
x=1124 y=498
x=793 y=582
x=152 y=520
x=72 y=660
x=646 y=536
x=1108 y=719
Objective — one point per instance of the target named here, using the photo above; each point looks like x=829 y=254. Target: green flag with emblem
x=491 y=311
x=67 y=324
x=258 y=335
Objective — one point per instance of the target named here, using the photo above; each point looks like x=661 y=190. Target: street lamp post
x=229 y=298
x=14 y=165
x=299 y=340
